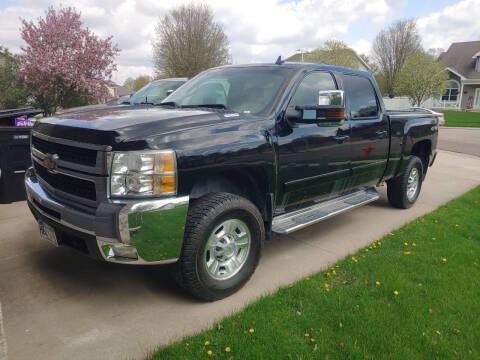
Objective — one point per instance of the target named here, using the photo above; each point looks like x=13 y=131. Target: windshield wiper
x=168 y=103
x=213 y=106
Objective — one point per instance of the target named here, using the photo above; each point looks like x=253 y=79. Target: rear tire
x=222 y=244
x=403 y=190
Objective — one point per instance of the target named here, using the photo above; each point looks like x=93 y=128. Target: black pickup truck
x=202 y=179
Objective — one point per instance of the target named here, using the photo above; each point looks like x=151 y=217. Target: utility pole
x=301 y=52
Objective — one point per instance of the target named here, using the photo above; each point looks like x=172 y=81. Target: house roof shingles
x=458 y=57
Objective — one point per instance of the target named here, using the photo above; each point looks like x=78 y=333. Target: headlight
x=143 y=173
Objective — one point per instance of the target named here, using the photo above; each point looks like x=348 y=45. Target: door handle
x=381 y=133
x=341 y=138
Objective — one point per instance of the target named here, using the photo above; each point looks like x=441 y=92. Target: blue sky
x=258 y=31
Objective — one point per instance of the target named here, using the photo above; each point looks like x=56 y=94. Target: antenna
x=279 y=61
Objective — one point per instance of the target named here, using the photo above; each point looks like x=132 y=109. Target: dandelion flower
x=252 y=330
x=337 y=266
x=307 y=278
x=334 y=272
x=327 y=289
x=227 y=349
x=326 y=285
x=434 y=238
x=444 y=259
x=435 y=221
x=377 y=282
x=366 y=250
x=405 y=243
x=456 y=225
x=395 y=292
x=312 y=339
x=307 y=334
x=209 y=352
x=187 y=344
x=407 y=252
x=207 y=343
x=391 y=234
x=437 y=332
x=413 y=244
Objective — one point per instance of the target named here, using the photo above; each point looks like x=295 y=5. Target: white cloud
x=459 y=22
x=362 y=46
x=259 y=31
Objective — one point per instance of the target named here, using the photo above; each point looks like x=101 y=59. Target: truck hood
x=116 y=124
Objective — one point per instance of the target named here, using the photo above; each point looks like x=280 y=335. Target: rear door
x=369 y=131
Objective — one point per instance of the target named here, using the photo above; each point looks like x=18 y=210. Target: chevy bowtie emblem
x=49 y=161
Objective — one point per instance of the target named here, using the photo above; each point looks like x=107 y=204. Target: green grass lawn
x=413 y=294
x=463 y=119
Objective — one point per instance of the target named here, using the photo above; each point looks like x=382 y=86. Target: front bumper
x=133 y=232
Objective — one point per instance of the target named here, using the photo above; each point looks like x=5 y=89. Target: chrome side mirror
x=331 y=98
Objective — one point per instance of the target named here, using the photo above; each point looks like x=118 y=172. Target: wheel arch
x=250 y=183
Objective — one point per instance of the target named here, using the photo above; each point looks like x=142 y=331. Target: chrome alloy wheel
x=227 y=249
x=412 y=183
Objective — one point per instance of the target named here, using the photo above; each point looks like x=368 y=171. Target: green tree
x=141 y=81
x=13 y=93
x=420 y=78
x=136 y=84
x=333 y=52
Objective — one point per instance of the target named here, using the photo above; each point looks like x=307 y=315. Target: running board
x=298 y=219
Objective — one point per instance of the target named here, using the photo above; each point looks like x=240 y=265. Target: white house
x=462 y=61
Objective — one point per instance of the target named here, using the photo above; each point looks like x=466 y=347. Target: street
x=57 y=304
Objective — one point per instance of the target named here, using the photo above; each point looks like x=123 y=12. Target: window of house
x=451 y=93
x=363 y=101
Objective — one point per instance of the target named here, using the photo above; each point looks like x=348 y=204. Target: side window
x=361 y=95
x=307 y=91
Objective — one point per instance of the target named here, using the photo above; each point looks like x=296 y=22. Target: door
x=477 y=99
x=313 y=159
x=369 y=131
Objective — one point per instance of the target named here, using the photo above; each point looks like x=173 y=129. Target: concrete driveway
x=462 y=140
x=60 y=305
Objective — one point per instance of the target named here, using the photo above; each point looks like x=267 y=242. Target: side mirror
x=169 y=92
x=330 y=108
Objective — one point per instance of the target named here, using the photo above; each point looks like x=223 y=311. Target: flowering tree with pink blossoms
x=64 y=60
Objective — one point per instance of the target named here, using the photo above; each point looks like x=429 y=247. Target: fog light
x=117 y=251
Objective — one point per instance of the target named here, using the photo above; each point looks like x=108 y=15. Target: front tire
x=222 y=244
x=403 y=190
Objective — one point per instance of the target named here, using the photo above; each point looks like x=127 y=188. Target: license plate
x=47 y=233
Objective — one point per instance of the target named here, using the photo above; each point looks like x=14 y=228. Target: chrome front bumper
x=133 y=232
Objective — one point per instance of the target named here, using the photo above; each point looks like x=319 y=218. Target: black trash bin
x=14 y=153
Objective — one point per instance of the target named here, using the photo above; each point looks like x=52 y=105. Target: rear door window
x=361 y=97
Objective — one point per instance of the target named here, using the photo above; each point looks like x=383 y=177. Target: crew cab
x=237 y=153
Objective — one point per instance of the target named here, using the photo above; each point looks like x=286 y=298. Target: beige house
x=462 y=61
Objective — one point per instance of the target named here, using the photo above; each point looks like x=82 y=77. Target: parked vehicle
x=440 y=116
x=15 y=126
x=238 y=152
x=152 y=93
x=157 y=90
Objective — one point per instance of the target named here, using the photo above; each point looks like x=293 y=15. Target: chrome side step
x=298 y=219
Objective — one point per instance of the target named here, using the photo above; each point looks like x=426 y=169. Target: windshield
x=250 y=90
x=154 y=92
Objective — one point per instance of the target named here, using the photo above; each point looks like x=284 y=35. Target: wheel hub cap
x=227 y=249
x=412 y=183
